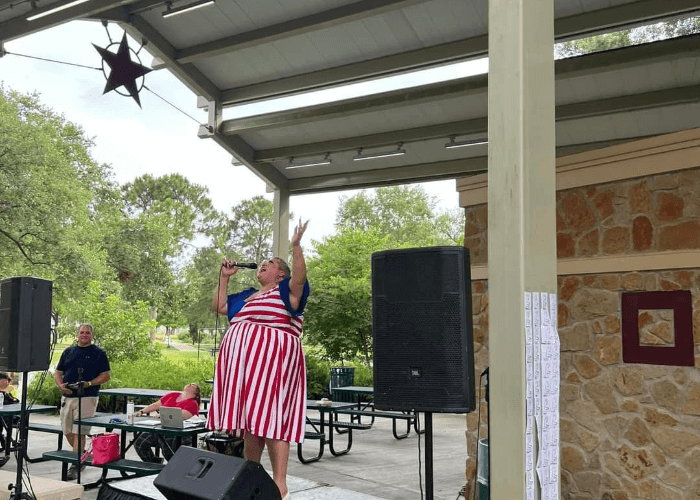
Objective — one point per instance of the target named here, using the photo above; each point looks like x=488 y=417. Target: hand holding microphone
x=230 y=267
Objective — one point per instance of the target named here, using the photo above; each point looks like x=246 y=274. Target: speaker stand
x=20 y=454
x=428 y=455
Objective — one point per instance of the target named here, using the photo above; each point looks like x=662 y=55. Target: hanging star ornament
x=124 y=71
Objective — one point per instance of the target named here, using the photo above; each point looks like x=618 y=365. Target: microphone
x=248 y=265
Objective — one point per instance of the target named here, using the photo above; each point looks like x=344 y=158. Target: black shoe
x=73 y=471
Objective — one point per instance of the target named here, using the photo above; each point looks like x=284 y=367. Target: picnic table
x=324 y=428
x=8 y=424
x=364 y=407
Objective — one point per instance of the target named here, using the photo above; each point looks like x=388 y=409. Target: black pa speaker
x=422 y=330
x=25 y=324
x=193 y=474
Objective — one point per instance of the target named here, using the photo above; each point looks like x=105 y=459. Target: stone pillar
x=521 y=214
x=280 y=225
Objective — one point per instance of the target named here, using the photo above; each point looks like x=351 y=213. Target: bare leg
x=279 y=456
x=253 y=447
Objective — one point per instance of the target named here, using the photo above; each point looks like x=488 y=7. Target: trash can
x=482 y=470
x=342 y=376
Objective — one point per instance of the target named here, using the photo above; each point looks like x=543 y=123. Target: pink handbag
x=104 y=449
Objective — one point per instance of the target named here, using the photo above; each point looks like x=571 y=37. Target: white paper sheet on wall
x=542 y=365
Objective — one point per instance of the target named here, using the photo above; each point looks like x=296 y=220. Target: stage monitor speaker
x=193 y=474
x=25 y=324
x=422 y=330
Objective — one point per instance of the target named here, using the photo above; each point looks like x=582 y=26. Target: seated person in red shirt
x=188 y=401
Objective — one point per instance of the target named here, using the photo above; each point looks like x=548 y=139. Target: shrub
x=318 y=376
x=158 y=373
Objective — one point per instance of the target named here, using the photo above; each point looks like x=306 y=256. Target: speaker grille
x=423 y=350
x=25 y=324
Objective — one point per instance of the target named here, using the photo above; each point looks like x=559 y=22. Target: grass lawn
x=168 y=353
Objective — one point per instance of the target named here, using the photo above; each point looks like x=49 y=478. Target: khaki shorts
x=69 y=413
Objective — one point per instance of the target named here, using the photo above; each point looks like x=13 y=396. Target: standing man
x=87 y=363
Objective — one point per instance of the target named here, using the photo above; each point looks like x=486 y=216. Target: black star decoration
x=124 y=71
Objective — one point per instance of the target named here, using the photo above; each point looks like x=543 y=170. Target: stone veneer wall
x=628 y=431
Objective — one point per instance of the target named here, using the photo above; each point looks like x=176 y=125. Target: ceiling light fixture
x=185 y=8
x=314 y=163
x=55 y=9
x=462 y=144
x=385 y=154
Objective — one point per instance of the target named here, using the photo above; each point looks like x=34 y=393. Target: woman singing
x=260 y=383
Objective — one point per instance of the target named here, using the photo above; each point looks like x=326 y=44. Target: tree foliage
x=48 y=204
x=339 y=311
x=122 y=328
x=250 y=235
x=625 y=38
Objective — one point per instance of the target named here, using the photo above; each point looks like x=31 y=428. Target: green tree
x=338 y=315
x=339 y=311
x=161 y=218
x=250 y=236
x=122 y=329
x=625 y=38
x=404 y=213
x=49 y=205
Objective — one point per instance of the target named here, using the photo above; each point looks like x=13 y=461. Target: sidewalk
x=377 y=465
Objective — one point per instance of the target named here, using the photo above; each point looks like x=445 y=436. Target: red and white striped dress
x=260 y=383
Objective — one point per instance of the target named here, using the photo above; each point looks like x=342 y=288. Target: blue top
x=91 y=359
x=236 y=301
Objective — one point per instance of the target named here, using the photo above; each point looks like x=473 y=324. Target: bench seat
x=136 y=467
x=410 y=419
x=343 y=425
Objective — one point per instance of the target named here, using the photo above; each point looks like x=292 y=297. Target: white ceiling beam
x=375 y=102
x=293 y=27
x=389 y=176
x=420 y=173
x=465 y=127
x=621 y=17
x=478 y=126
x=19 y=26
x=630 y=102
x=243 y=153
x=638 y=55
x=588 y=24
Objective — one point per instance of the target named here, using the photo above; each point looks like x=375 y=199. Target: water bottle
x=2 y=399
x=130 y=412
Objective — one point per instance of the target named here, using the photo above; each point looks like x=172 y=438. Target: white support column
x=521 y=215
x=280 y=227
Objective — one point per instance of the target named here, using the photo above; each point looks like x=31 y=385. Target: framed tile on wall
x=676 y=352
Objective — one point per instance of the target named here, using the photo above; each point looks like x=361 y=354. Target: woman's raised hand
x=299 y=232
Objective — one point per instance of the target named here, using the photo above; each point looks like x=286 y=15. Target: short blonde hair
x=92 y=329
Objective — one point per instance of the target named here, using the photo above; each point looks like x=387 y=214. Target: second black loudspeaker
x=25 y=324
x=422 y=330
x=194 y=474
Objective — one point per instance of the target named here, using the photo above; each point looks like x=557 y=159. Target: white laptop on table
x=172 y=417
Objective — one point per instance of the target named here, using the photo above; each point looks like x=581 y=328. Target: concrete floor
x=377 y=467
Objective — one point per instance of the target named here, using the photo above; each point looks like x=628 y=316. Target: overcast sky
x=157 y=139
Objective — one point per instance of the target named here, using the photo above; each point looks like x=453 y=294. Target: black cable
x=51 y=60
x=478 y=433
x=171 y=104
